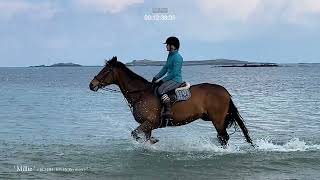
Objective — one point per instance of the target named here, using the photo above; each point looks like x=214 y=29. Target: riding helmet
x=173 y=41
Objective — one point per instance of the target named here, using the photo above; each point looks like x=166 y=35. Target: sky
x=86 y=32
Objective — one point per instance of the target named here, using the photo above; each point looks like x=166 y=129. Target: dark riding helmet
x=173 y=41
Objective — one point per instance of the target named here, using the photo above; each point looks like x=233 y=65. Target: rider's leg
x=165 y=99
x=167 y=113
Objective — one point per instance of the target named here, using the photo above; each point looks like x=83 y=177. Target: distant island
x=215 y=62
x=60 y=65
x=253 y=65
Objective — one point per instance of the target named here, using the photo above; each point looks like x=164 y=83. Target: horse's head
x=105 y=76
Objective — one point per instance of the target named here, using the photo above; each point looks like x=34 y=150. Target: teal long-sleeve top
x=172 y=68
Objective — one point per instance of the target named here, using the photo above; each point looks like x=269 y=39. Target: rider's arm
x=176 y=69
x=162 y=72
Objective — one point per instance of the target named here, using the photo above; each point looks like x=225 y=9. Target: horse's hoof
x=223 y=141
x=135 y=135
x=225 y=146
x=153 y=140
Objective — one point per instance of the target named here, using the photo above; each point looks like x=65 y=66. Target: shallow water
x=50 y=120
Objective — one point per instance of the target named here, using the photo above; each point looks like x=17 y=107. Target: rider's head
x=172 y=43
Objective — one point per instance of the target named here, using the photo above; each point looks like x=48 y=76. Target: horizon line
x=144 y=65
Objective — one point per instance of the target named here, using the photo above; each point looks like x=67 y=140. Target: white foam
x=206 y=145
x=199 y=144
x=292 y=145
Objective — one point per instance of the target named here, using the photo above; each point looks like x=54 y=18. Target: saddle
x=182 y=93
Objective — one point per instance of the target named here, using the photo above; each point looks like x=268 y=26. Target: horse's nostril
x=91 y=86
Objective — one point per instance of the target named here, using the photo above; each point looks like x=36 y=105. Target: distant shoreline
x=252 y=65
x=215 y=62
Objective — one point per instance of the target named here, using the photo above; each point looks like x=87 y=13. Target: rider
x=173 y=79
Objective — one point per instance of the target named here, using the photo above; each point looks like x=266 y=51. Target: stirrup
x=168 y=120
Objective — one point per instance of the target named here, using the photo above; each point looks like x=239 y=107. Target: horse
x=209 y=102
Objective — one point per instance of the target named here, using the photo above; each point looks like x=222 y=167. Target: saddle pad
x=183 y=94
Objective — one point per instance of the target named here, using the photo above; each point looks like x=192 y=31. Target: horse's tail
x=234 y=116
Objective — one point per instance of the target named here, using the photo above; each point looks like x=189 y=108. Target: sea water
x=52 y=126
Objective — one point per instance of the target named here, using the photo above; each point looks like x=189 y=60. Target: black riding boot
x=167 y=113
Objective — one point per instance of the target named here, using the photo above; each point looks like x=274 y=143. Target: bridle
x=102 y=86
x=100 y=81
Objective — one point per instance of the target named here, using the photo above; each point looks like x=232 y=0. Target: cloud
x=229 y=10
x=303 y=12
x=111 y=6
x=12 y=8
x=270 y=11
x=223 y=20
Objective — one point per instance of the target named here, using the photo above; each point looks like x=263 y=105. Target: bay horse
x=209 y=102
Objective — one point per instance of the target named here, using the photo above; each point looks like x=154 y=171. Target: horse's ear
x=112 y=61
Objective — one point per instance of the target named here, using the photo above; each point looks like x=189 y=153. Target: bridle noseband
x=100 y=81
x=101 y=84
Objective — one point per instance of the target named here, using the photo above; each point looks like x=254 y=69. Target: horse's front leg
x=152 y=140
x=145 y=128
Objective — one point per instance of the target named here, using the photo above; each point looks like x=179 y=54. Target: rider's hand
x=154 y=80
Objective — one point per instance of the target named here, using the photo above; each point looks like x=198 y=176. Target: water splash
x=206 y=145
x=294 y=144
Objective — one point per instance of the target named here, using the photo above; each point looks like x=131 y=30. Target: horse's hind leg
x=219 y=124
x=223 y=137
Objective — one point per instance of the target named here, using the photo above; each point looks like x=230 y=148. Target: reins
x=107 y=89
x=103 y=87
x=116 y=91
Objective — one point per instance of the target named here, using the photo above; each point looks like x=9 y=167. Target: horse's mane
x=132 y=74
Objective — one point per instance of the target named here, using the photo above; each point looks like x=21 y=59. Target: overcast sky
x=34 y=32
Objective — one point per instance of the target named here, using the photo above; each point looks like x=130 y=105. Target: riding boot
x=167 y=113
